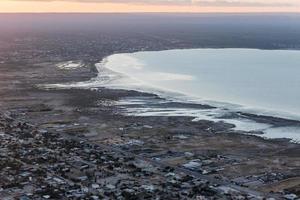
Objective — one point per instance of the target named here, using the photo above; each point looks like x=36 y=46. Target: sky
x=16 y=6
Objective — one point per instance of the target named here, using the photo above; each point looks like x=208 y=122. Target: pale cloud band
x=212 y=3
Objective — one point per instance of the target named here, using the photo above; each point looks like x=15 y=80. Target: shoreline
x=161 y=91
x=237 y=116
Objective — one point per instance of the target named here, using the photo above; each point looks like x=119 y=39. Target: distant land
x=265 y=31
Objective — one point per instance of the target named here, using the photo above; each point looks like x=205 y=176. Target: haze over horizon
x=120 y=6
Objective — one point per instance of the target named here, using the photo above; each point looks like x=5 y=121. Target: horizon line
x=254 y=12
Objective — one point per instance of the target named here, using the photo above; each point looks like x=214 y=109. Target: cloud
x=216 y=3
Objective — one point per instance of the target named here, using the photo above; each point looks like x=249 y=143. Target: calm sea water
x=254 y=81
x=265 y=80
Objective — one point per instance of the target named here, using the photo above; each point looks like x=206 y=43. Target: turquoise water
x=265 y=80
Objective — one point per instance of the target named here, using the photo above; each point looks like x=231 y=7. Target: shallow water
x=265 y=80
x=253 y=81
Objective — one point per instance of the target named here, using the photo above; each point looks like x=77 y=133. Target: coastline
x=183 y=96
x=245 y=120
